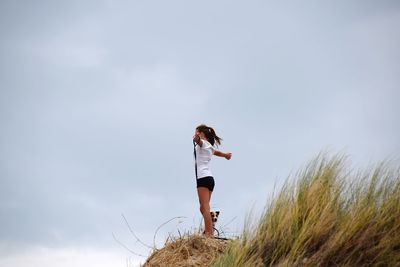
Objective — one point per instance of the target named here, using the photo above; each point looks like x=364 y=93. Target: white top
x=203 y=155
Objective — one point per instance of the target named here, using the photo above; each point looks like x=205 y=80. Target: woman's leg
x=204 y=198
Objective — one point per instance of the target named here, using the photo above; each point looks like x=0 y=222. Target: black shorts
x=207 y=182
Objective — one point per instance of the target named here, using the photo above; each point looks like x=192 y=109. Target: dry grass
x=326 y=216
x=190 y=250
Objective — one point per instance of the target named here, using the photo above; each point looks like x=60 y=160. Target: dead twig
x=133 y=234
x=159 y=227
x=125 y=247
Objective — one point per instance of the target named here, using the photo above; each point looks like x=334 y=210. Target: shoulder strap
x=195 y=158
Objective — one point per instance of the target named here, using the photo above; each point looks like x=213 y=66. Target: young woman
x=204 y=140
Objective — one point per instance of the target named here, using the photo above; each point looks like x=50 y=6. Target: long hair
x=210 y=134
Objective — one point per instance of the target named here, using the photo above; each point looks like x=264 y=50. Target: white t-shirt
x=203 y=156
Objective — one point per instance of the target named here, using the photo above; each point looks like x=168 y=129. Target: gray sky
x=99 y=101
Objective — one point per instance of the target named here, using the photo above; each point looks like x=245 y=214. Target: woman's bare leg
x=204 y=198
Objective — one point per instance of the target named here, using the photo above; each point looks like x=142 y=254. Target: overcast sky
x=99 y=101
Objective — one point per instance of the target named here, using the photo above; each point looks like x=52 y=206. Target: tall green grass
x=326 y=215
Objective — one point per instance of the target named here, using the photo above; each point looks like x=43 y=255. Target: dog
x=214 y=219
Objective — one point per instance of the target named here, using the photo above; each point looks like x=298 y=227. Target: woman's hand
x=228 y=156
x=197 y=138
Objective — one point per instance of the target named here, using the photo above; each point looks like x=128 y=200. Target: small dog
x=214 y=218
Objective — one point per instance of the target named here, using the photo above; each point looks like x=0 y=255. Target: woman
x=204 y=140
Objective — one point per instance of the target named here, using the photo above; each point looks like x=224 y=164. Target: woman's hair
x=210 y=134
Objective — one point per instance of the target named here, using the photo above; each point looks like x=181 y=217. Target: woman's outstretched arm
x=222 y=154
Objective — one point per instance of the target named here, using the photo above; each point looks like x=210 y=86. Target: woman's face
x=201 y=134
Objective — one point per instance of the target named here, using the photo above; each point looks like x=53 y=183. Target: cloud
x=68 y=51
x=67 y=257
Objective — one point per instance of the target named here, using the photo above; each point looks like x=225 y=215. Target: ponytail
x=210 y=134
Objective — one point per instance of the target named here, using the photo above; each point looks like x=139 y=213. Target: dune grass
x=185 y=251
x=326 y=215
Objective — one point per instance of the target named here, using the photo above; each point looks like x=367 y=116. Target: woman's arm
x=222 y=154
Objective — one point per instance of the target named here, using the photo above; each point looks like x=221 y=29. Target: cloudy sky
x=99 y=101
